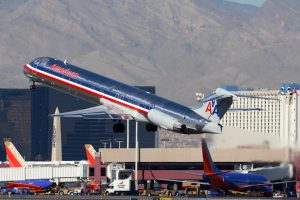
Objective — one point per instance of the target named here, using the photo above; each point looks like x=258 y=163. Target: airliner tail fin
x=14 y=157
x=90 y=154
x=208 y=164
x=216 y=105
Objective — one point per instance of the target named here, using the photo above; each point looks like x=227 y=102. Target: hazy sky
x=251 y=2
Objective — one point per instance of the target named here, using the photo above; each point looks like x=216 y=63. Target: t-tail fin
x=216 y=105
x=90 y=154
x=208 y=164
x=13 y=156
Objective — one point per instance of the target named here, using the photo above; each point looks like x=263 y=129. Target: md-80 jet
x=117 y=100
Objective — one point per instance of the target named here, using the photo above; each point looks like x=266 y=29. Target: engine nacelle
x=164 y=120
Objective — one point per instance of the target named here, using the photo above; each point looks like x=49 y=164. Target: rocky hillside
x=179 y=46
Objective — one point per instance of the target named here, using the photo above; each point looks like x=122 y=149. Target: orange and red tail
x=90 y=154
x=208 y=164
x=13 y=156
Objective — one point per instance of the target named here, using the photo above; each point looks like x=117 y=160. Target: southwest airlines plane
x=250 y=184
x=117 y=100
x=230 y=182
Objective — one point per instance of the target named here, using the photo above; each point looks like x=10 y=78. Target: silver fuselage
x=143 y=106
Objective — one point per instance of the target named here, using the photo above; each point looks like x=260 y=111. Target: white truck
x=123 y=184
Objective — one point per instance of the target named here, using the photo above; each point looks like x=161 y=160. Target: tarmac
x=35 y=197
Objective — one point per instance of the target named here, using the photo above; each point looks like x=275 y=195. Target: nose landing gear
x=33 y=86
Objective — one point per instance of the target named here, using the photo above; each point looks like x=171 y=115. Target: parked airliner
x=234 y=181
x=16 y=160
x=229 y=182
x=126 y=102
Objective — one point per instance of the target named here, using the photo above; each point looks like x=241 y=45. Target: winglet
x=208 y=164
x=14 y=157
x=90 y=154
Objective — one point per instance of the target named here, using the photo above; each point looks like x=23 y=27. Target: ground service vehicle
x=122 y=183
x=154 y=192
x=92 y=189
x=121 y=187
x=194 y=191
x=72 y=188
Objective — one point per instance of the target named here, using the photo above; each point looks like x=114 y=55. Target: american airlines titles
x=62 y=70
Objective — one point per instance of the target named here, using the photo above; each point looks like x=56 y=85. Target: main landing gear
x=33 y=86
x=119 y=127
x=151 y=127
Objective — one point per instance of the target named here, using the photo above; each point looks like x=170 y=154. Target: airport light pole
x=119 y=140
x=291 y=127
x=127 y=127
x=104 y=142
x=136 y=155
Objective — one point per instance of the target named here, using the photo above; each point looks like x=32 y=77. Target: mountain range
x=181 y=47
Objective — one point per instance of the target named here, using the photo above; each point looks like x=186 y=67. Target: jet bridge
x=57 y=173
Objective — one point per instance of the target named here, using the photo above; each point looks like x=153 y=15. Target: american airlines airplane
x=117 y=100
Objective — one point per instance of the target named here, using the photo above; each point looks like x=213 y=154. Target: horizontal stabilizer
x=219 y=94
x=255 y=97
x=244 y=109
x=215 y=105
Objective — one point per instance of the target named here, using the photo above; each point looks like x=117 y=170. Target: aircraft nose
x=212 y=127
x=25 y=69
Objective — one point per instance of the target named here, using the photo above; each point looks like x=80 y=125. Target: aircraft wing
x=263 y=184
x=283 y=182
x=191 y=173
x=182 y=181
x=215 y=174
x=97 y=112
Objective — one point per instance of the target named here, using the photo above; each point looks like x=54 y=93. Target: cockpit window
x=40 y=61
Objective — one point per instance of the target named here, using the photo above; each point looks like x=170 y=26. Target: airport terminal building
x=278 y=118
x=24 y=117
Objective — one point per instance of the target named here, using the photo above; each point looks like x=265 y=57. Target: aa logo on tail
x=212 y=108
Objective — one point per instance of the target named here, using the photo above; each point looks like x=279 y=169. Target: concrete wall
x=193 y=155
